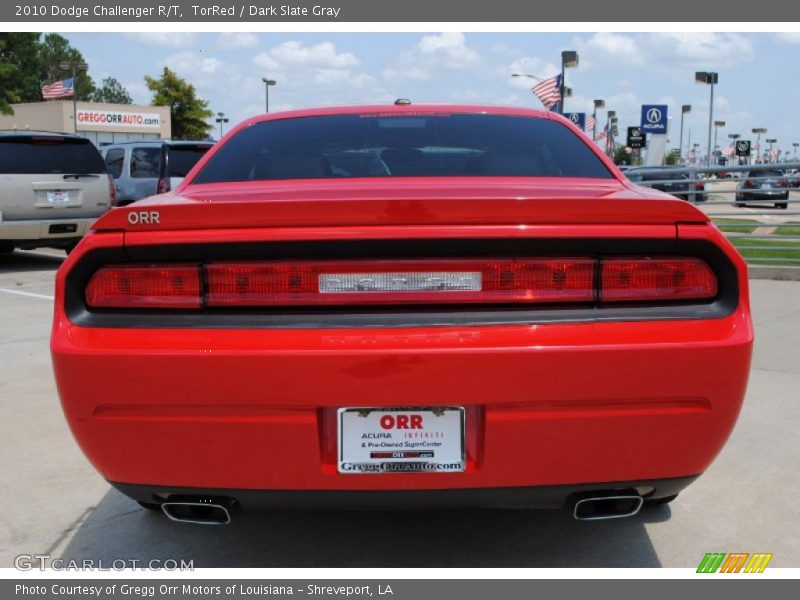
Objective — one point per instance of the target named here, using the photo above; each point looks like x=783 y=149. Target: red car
x=402 y=306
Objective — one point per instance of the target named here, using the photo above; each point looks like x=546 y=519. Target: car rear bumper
x=45 y=229
x=764 y=195
x=551 y=404
x=545 y=497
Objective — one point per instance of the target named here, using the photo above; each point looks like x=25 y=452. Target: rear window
x=114 y=162
x=765 y=174
x=414 y=145
x=48 y=155
x=146 y=163
x=182 y=158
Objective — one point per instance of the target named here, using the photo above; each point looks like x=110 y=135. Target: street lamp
x=710 y=78
x=771 y=141
x=221 y=119
x=717 y=125
x=74 y=67
x=759 y=131
x=733 y=137
x=795 y=145
x=597 y=104
x=611 y=114
x=268 y=82
x=686 y=108
x=569 y=58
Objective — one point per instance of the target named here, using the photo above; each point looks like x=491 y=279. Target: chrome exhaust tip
x=198 y=512
x=601 y=508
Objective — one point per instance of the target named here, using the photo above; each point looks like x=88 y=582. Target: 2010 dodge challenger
x=402 y=306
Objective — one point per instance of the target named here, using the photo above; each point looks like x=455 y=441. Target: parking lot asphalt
x=53 y=502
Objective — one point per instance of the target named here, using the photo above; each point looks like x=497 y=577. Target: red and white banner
x=87 y=119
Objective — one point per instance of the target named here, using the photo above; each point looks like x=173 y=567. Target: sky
x=758 y=73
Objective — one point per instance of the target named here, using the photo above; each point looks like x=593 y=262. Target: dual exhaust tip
x=607 y=506
x=199 y=511
x=217 y=511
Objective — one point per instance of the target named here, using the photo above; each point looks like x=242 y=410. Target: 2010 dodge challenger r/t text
x=402 y=306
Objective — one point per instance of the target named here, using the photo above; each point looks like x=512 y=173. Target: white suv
x=53 y=186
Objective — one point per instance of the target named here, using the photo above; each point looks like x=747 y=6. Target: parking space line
x=29 y=294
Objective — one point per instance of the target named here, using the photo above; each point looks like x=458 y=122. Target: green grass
x=793 y=230
x=737 y=225
x=764 y=249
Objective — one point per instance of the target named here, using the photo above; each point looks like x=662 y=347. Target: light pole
x=569 y=58
x=695 y=146
x=75 y=66
x=611 y=114
x=795 y=145
x=711 y=78
x=221 y=119
x=771 y=141
x=717 y=125
x=597 y=104
x=686 y=108
x=267 y=82
x=758 y=131
x=733 y=137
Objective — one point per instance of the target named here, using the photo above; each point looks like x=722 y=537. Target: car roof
x=36 y=132
x=161 y=143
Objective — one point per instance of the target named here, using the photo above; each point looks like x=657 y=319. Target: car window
x=183 y=157
x=146 y=163
x=48 y=154
x=400 y=145
x=115 y=157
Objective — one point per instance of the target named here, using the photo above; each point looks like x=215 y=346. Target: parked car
x=763 y=185
x=144 y=168
x=674 y=183
x=793 y=178
x=52 y=188
x=400 y=306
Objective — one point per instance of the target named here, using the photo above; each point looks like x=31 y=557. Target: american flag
x=59 y=89
x=589 y=125
x=548 y=91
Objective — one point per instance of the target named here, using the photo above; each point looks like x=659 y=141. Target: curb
x=773 y=272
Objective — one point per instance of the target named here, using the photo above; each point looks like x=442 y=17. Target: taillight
x=748 y=183
x=698 y=185
x=112 y=190
x=163 y=186
x=145 y=286
x=400 y=282
x=637 y=279
x=783 y=183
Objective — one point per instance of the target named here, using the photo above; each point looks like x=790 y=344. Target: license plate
x=58 y=198
x=401 y=440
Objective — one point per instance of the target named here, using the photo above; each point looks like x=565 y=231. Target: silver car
x=143 y=168
x=53 y=186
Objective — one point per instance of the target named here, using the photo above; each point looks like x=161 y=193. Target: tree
x=187 y=112
x=622 y=156
x=56 y=49
x=113 y=92
x=672 y=158
x=20 y=69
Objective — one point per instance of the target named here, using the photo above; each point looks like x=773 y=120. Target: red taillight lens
x=163 y=186
x=112 y=191
x=400 y=282
x=637 y=279
x=145 y=286
x=748 y=183
x=699 y=185
x=783 y=183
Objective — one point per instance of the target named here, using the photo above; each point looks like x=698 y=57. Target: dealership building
x=102 y=123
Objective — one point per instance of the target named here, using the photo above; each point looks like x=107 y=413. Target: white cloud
x=291 y=54
x=164 y=38
x=189 y=62
x=604 y=48
x=447 y=51
x=788 y=37
x=689 y=50
x=237 y=40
